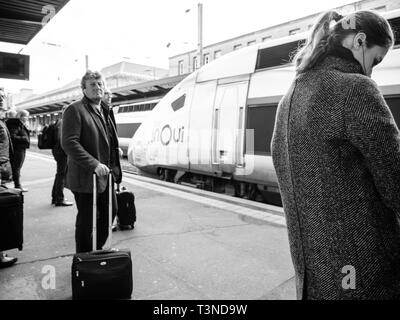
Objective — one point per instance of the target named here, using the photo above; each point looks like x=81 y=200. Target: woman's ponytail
x=317 y=43
x=323 y=36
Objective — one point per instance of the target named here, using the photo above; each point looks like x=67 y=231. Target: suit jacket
x=336 y=151
x=85 y=141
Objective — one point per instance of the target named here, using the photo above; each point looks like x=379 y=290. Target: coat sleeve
x=70 y=140
x=370 y=127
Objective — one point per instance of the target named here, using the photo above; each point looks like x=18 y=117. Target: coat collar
x=342 y=59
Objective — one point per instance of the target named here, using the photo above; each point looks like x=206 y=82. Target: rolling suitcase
x=11 y=218
x=126 y=214
x=102 y=274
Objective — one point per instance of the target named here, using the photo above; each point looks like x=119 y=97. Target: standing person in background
x=5 y=168
x=57 y=192
x=107 y=100
x=336 y=151
x=21 y=140
x=89 y=138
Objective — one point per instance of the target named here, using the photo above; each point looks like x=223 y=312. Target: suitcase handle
x=102 y=252
x=94 y=235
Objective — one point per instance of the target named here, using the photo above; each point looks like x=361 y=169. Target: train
x=213 y=130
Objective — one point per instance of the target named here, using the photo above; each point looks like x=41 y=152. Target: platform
x=186 y=245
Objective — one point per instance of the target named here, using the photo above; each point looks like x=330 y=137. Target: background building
x=187 y=62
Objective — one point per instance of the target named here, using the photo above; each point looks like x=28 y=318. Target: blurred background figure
x=20 y=139
x=57 y=193
x=107 y=97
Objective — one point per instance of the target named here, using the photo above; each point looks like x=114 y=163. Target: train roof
x=271 y=54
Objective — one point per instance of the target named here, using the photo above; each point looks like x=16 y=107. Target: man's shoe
x=64 y=203
x=6 y=261
x=22 y=189
x=114 y=228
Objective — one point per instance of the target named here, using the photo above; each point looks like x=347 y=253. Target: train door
x=228 y=119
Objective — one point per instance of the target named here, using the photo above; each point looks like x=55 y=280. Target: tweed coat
x=85 y=141
x=6 y=150
x=336 y=151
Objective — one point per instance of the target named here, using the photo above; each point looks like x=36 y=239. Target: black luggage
x=102 y=274
x=11 y=218
x=126 y=214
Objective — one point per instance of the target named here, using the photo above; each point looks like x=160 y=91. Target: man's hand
x=121 y=153
x=102 y=170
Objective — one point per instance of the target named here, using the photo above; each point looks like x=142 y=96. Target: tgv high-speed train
x=129 y=117
x=214 y=128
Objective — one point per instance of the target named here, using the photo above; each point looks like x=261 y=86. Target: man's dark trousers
x=17 y=160
x=57 y=193
x=84 y=219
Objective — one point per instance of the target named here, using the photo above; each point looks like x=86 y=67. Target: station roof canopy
x=21 y=20
x=54 y=101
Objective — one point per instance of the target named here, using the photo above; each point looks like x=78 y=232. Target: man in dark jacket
x=57 y=193
x=90 y=141
x=21 y=141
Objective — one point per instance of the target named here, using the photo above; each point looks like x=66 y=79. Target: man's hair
x=11 y=113
x=22 y=113
x=89 y=75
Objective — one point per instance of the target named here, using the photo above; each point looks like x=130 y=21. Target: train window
x=127 y=130
x=178 y=103
x=394 y=105
x=395 y=24
x=130 y=108
x=278 y=55
x=261 y=118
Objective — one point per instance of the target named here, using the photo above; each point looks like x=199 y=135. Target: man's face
x=107 y=97
x=24 y=119
x=94 y=89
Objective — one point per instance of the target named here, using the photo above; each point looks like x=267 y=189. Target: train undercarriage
x=224 y=185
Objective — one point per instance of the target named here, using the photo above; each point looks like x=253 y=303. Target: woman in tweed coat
x=336 y=151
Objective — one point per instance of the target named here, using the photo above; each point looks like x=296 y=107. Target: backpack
x=47 y=138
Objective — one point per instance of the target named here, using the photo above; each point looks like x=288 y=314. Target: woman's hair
x=323 y=36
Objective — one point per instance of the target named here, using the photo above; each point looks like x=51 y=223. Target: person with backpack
x=57 y=192
x=21 y=140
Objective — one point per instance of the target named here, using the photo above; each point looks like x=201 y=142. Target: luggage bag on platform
x=102 y=274
x=11 y=218
x=126 y=213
